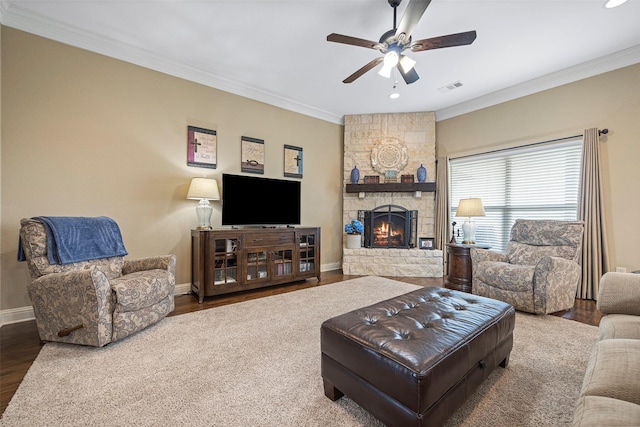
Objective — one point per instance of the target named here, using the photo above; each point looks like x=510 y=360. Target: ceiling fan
x=395 y=41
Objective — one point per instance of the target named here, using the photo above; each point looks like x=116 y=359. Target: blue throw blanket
x=75 y=239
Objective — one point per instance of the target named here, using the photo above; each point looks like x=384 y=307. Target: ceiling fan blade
x=451 y=40
x=363 y=70
x=413 y=13
x=410 y=76
x=339 y=38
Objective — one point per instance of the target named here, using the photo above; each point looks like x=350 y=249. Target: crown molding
x=614 y=61
x=22 y=19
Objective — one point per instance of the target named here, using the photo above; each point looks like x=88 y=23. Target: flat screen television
x=248 y=200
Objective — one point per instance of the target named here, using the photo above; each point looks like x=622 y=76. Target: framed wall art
x=292 y=161
x=426 y=243
x=202 y=147
x=252 y=155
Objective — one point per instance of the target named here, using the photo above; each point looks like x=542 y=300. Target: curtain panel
x=442 y=208
x=595 y=256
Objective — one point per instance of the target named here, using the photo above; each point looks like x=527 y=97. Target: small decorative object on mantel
x=406 y=178
x=353 y=230
x=422 y=173
x=355 y=175
x=372 y=179
x=390 y=176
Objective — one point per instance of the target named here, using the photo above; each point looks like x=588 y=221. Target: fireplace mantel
x=389 y=187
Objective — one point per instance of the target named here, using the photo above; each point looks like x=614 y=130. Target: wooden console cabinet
x=459 y=276
x=233 y=260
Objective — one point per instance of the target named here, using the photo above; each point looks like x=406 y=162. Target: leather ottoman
x=413 y=360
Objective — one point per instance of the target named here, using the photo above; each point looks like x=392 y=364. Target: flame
x=385 y=233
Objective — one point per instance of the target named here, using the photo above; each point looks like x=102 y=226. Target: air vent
x=450 y=87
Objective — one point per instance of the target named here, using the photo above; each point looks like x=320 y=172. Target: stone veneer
x=361 y=135
x=392 y=262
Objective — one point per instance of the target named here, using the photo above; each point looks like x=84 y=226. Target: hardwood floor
x=20 y=344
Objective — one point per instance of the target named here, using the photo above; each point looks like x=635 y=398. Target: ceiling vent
x=450 y=87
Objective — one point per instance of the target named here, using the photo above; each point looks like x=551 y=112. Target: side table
x=459 y=275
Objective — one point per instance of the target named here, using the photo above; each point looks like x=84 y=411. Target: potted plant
x=354 y=229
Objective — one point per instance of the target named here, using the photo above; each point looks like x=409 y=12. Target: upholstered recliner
x=539 y=273
x=97 y=301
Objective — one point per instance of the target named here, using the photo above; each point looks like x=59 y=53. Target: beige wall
x=610 y=100
x=88 y=135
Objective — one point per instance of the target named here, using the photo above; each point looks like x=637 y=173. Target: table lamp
x=203 y=189
x=470 y=207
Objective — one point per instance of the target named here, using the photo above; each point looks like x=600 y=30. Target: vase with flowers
x=354 y=229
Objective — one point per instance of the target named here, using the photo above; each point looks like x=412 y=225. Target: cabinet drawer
x=268 y=239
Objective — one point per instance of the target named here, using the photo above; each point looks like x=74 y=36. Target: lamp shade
x=203 y=188
x=470 y=207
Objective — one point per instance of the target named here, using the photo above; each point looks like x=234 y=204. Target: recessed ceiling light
x=394 y=95
x=613 y=3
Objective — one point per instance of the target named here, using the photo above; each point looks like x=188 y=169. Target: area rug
x=257 y=363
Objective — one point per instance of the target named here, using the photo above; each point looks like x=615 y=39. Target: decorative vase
x=353 y=241
x=422 y=173
x=355 y=175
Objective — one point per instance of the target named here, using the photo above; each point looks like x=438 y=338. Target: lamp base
x=203 y=212
x=469 y=229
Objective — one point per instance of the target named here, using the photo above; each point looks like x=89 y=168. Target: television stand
x=234 y=260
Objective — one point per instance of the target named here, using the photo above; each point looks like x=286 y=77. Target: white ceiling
x=276 y=51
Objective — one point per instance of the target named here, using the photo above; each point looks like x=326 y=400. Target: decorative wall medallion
x=390 y=154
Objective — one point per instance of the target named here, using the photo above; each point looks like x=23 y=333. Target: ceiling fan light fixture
x=385 y=71
x=390 y=61
x=610 y=4
x=406 y=63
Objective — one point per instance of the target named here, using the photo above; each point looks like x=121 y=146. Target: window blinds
x=534 y=182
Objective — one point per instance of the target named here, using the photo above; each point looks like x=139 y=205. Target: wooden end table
x=459 y=275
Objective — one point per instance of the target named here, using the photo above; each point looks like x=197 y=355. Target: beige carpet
x=257 y=363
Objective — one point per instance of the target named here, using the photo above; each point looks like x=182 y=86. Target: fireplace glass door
x=389 y=226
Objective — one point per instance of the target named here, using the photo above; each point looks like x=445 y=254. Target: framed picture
x=202 y=147
x=426 y=243
x=292 y=161
x=252 y=155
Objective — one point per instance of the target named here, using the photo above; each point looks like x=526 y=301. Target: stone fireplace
x=388 y=146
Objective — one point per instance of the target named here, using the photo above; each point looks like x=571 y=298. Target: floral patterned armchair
x=98 y=301
x=539 y=273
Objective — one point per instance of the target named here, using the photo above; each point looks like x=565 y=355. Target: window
x=540 y=181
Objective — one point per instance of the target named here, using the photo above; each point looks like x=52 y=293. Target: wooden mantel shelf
x=392 y=187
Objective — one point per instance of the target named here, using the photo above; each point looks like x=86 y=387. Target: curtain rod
x=600 y=133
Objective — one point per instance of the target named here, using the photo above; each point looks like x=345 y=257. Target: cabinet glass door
x=225 y=269
x=257 y=264
x=307 y=253
x=282 y=262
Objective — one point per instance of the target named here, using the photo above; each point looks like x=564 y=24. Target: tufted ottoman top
x=419 y=345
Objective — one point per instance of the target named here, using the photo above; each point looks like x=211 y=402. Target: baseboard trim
x=16 y=315
x=182 y=288
x=331 y=267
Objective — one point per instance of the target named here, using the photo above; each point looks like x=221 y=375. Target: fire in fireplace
x=389 y=226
